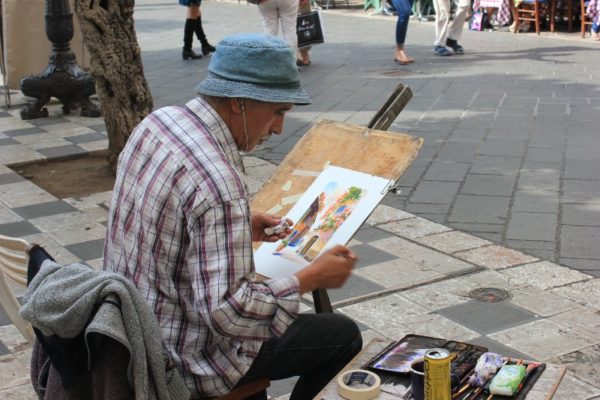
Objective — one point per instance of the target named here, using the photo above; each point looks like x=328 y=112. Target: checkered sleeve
x=221 y=268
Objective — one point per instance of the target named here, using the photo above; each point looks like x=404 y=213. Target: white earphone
x=243 y=107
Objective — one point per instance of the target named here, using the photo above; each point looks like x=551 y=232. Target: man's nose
x=277 y=127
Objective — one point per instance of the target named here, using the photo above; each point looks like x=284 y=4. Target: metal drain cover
x=489 y=295
x=394 y=73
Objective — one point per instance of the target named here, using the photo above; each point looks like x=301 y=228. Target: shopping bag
x=309 y=29
x=477 y=21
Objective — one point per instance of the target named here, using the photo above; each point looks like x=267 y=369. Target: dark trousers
x=404 y=9
x=37 y=256
x=315 y=348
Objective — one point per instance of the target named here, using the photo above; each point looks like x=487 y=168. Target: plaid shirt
x=179 y=228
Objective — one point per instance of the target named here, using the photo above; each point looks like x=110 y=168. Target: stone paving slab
x=401 y=252
x=495 y=257
x=509 y=132
x=583 y=363
x=551 y=339
x=541 y=302
x=554 y=275
x=485 y=318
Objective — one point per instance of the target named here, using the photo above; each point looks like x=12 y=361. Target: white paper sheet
x=328 y=213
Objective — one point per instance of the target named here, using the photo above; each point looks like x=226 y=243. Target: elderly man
x=180 y=227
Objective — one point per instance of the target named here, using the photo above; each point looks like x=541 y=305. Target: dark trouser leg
x=37 y=256
x=404 y=9
x=315 y=348
x=188 y=37
x=207 y=48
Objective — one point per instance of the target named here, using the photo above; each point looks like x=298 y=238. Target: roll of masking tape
x=358 y=384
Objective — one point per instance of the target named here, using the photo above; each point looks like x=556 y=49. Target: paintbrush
x=473 y=395
x=481 y=389
x=461 y=391
x=463 y=388
x=468 y=394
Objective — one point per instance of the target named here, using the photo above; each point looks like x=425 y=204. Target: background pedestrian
x=303 y=53
x=446 y=33
x=404 y=9
x=284 y=12
x=193 y=24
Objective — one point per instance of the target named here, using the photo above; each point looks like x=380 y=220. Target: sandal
x=301 y=63
x=402 y=62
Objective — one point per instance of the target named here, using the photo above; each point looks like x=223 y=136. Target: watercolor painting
x=320 y=221
x=328 y=213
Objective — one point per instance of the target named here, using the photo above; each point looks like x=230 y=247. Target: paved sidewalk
x=511 y=147
x=415 y=275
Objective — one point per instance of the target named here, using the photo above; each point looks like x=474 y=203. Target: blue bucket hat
x=254 y=66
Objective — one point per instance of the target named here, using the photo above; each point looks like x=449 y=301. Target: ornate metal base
x=71 y=85
x=62 y=78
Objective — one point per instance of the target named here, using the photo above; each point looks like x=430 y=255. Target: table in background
x=504 y=9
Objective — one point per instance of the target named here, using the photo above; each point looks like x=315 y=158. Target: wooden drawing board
x=327 y=143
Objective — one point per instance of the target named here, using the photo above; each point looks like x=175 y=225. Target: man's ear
x=237 y=105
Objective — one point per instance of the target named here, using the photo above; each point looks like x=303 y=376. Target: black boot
x=188 y=37
x=207 y=48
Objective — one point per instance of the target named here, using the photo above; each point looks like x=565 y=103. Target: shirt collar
x=218 y=129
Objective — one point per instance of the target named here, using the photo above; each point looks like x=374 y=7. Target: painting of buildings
x=329 y=210
x=328 y=213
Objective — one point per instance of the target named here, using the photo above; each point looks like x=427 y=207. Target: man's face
x=262 y=120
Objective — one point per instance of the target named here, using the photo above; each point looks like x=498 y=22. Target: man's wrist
x=305 y=280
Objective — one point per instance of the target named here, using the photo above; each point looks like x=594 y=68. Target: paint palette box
x=392 y=364
x=397 y=357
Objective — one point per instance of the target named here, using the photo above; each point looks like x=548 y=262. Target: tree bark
x=116 y=65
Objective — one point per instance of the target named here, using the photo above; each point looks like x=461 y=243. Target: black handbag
x=309 y=29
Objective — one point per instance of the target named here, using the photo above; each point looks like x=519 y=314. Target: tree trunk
x=116 y=65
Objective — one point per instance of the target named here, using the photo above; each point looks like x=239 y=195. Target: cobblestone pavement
x=509 y=162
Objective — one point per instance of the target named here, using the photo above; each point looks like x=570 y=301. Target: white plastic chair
x=13 y=267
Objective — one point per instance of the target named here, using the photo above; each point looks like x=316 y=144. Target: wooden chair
x=585 y=20
x=566 y=9
x=13 y=268
x=530 y=10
